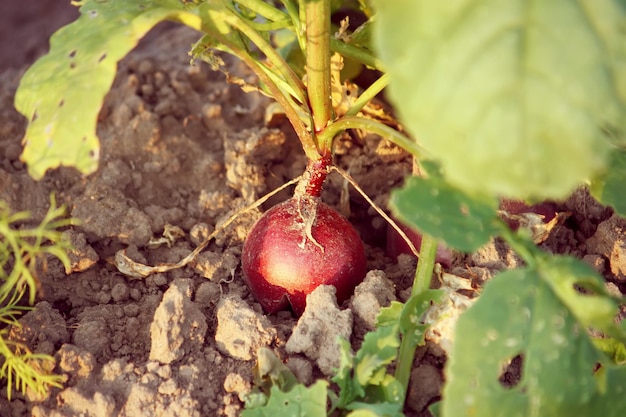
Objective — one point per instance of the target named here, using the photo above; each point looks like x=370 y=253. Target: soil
x=182 y=150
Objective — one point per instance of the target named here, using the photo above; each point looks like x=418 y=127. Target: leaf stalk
x=317 y=17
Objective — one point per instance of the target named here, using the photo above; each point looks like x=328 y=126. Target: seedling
x=518 y=101
x=22 y=252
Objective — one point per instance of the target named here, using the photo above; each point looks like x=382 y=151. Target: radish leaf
x=364 y=375
x=518 y=98
x=61 y=94
x=540 y=327
x=609 y=187
x=300 y=401
x=431 y=205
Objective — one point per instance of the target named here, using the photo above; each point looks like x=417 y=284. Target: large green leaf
x=443 y=211
x=535 y=314
x=61 y=94
x=519 y=98
x=609 y=187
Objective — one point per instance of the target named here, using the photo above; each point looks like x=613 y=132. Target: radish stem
x=317 y=17
x=354 y=52
x=367 y=95
x=264 y=9
x=425 y=265
x=356 y=122
x=421 y=283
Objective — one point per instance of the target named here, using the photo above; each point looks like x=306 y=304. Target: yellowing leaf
x=61 y=94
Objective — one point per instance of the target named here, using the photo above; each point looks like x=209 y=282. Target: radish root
x=375 y=206
x=137 y=270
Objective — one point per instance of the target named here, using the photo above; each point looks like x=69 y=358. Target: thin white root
x=137 y=270
x=377 y=208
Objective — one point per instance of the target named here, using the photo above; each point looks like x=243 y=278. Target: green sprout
x=24 y=249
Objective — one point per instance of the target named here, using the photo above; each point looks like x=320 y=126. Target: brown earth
x=182 y=148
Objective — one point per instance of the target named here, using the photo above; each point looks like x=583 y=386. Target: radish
x=299 y=245
x=513 y=210
x=397 y=246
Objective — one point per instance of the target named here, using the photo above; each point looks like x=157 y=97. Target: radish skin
x=287 y=254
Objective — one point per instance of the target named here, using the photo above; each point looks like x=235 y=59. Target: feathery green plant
x=24 y=248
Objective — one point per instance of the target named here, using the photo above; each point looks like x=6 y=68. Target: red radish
x=397 y=246
x=299 y=245
x=513 y=209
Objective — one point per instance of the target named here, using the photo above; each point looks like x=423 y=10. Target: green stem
x=421 y=283
x=272 y=55
x=291 y=111
x=356 y=122
x=281 y=69
x=404 y=365
x=294 y=14
x=309 y=146
x=361 y=55
x=263 y=8
x=367 y=95
x=317 y=18
x=425 y=265
x=270 y=26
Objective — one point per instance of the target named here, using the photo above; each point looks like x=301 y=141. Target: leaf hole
x=93 y=13
x=72 y=54
x=61 y=103
x=102 y=57
x=35 y=115
x=511 y=373
x=72 y=65
x=584 y=289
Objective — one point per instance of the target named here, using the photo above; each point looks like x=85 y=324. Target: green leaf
x=613 y=348
x=594 y=308
x=343 y=376
x=363 y=413
x=390 y=315
x=369 y=366
x=520 y=313
x=271 y=371
x=380 y=409
x=435 y=207
x=61 y=94
x=378 y=350
x=299 y=402
x=516 y=98
x=411 y=325
x=609 y=187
